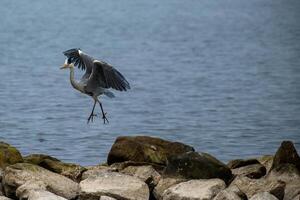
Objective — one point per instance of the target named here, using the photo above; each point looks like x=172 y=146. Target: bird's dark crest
x=74 y=57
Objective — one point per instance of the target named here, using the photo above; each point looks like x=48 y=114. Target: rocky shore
x=142 y=168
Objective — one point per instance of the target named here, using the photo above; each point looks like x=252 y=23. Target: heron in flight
x=99 y=77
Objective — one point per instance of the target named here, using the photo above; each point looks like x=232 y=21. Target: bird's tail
x=109 y=94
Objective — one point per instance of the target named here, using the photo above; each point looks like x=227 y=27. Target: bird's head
x=67 y=64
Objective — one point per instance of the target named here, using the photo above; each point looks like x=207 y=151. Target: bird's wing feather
x=81 y=60
x=106 y=76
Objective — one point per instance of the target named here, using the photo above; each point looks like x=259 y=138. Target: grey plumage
x=99 y=76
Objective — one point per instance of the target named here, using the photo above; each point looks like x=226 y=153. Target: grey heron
x=98 y=78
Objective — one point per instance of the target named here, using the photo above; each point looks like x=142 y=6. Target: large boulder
x=263 y=196
x=9 y=155
x=195 y=190
x=145 y=149
x=20 y=173
x=164 y=184
x=113 y=184
x=193 y=165
x=70 y=170
x=286 y=154
x=251 y=171
x=231 y=193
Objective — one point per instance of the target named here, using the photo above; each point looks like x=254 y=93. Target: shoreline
x=143 y=167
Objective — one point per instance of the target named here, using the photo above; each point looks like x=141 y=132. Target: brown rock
x=252 y=171
x=144 y=149
x=286 y=154
x=241 y=163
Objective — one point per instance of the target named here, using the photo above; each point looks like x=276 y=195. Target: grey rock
x=231 y=193
x=106 y=198
x=253 y=186
x=18 y=174
x=267 y=161
x=146 y=173
x=252 y=171
x=96 y=171
x=116 y=185
x=263 y=196
x=24 y=190
x=195 y=190
x=43 y=195
x=164 y=184
x=4 y=198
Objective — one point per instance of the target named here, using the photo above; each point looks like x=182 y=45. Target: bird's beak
x=64 y=66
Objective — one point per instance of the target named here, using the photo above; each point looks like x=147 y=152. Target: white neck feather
x=74 y=83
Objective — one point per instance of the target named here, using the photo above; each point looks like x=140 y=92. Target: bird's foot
x=104 y=118
x=91 y=117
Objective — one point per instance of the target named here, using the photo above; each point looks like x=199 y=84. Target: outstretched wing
x=106 y=76
x=81 y=60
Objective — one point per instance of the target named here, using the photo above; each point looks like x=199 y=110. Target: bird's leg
x=103 y=114
x=92 y=113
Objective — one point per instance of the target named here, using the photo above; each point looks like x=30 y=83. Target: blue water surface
x=222 y=76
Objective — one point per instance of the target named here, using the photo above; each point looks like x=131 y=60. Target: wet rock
x=252 y=171
x=164 y=184
x=146 y=173
x=231 y=193
x=193 y=165
x=286 y=154
x=20 y=173
x=9 y=155
x=241 y=163
x=145 y=149
x=195 y=190
x=112 y=184
x=263 y=196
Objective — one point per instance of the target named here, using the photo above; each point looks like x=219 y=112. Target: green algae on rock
x=145 y=149
x=9 y=155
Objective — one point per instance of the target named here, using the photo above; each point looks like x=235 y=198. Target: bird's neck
x=74 y=83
